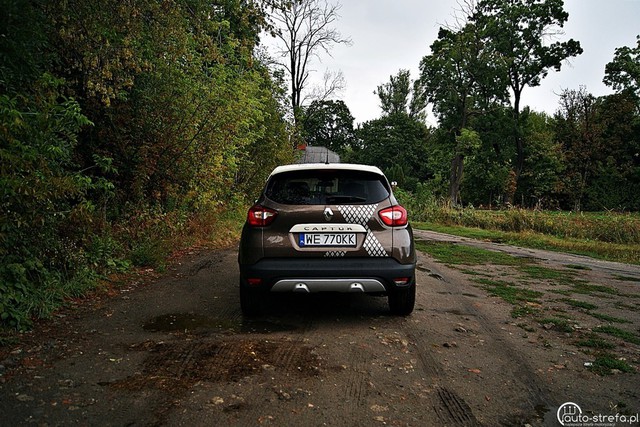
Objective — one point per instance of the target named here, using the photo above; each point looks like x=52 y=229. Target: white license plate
x=327 y=239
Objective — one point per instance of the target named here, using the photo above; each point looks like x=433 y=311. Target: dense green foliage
x=397 y=141
x=121 y=123
x=328 y=124
x=623 y=72
x=396 y=144
x=518 y=32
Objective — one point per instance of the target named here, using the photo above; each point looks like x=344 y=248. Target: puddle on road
x=549 y=416
x=189 y=322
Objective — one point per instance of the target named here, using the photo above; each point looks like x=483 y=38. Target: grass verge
x=146 y=241
x=453 y=254
x=628 y=253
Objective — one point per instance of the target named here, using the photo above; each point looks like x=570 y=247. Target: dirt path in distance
x=557 y=259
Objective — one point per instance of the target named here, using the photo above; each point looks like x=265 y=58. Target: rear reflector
x=254 y=281
x=401 y=280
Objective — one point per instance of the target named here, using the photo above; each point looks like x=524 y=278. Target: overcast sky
x=389 y=35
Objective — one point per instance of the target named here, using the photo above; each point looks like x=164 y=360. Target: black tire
x=250 y=301
x=401 y=302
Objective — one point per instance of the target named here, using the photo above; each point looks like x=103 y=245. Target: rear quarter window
x=321 y=187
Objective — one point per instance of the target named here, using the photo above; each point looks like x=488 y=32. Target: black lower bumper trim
x=271 y=270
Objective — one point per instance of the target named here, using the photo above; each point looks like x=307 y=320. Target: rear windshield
x=321 y=187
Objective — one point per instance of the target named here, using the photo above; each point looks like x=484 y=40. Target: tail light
x=395 y=216
x=259 y=216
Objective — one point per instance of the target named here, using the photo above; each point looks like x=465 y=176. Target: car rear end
x=327 y=228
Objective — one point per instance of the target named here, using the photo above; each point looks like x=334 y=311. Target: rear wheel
x=401 y=302
x=250 y=300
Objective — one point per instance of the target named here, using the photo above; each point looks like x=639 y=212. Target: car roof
x=327 y=166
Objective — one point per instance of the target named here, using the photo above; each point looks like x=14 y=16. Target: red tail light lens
x=395 y=216
x=259 y=216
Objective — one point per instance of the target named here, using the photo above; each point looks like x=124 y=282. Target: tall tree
x=175 y=96
x=401 y=95
x=623 y=72
x=391 y=141
x=545 y=165
x=519 y=31
x=305 y=29
x=329 y=124
x=461 y=79
x=579 y=132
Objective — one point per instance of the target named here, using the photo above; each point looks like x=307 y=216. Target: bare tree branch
x=305 y=30
x=333 y=83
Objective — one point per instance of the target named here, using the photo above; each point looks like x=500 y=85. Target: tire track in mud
x=357 y=379
x=450 y=408
x=454 y=409
x=487 y=336
x=521 y=368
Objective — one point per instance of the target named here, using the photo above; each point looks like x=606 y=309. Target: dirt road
x=175 y=350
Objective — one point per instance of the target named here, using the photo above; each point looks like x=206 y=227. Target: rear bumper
x=369 y=275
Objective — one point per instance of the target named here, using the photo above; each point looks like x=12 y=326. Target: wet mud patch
x=176 y=366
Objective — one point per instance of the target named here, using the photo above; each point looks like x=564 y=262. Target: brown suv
x=327 y=227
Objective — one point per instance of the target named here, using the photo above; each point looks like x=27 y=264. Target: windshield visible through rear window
x=322 y=187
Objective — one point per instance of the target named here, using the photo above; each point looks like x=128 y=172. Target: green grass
x=595 y=341
x=623 y=306
x=453 y=254
x=543 y=273
x=508 y=292
x=579 y=304
x=608 y=227
x=618 y=333
x=591 y=289
x=627 y=278
x=619 y=252
x=608 y=318
x=605 y=363
x=523 y=310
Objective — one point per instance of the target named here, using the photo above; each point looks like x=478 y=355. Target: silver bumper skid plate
x=328 y=285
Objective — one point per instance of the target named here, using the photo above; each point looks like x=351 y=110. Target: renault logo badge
x=328 y=214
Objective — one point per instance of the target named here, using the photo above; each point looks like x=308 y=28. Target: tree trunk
x=517 y=136
x=457 y=168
